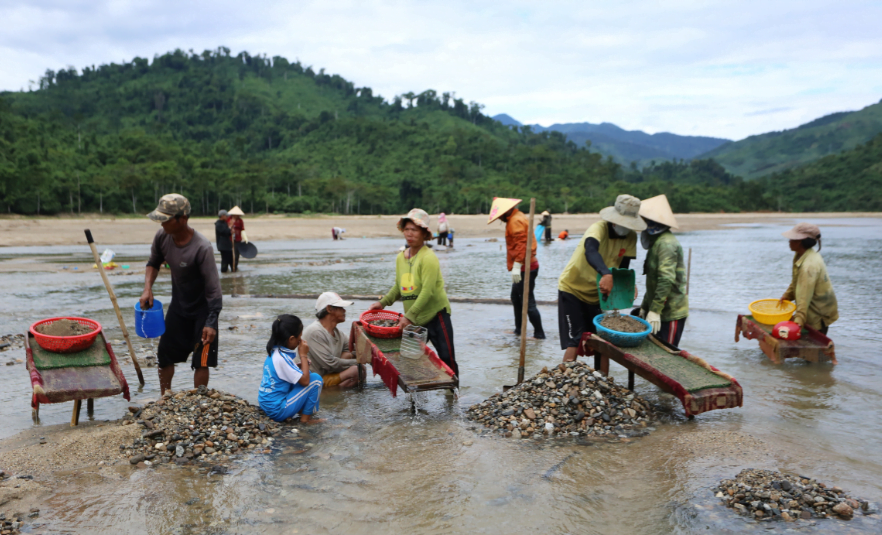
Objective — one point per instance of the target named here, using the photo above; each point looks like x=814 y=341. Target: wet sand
x=23 y=231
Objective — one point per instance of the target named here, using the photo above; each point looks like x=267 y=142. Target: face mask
x=645 y=240
x=620 y=230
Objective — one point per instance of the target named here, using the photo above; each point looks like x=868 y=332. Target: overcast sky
x=725 y=69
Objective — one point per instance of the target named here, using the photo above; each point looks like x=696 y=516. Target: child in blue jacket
x=286 y=390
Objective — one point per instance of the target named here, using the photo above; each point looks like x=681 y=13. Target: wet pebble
x=771 y=495
x=187 y=426
x=570 y=399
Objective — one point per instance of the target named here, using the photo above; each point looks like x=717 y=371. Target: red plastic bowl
x=66 y=344
x=377 y=331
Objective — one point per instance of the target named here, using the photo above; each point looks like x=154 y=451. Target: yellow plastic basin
x=768 y=311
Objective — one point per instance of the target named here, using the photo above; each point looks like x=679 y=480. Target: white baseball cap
x=330 y=298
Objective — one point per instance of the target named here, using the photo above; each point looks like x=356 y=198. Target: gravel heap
x=198 y=424
x=13 y=524
x=571 y=399
x=766 y=494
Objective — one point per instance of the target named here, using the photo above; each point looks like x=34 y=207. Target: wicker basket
x=380 y=332
x=66 y=344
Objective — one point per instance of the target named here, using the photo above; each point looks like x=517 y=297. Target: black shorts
x=183 y=335
x=574 y=317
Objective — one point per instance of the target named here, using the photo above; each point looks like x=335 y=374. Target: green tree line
x=277 y=136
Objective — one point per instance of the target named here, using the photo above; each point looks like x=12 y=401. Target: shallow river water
x=376 y=466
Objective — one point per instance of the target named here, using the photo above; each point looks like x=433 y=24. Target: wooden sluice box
x=413 y=375
x=88 y=374
x=813 y=346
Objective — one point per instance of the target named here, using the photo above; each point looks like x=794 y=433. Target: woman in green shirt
x=420 y=285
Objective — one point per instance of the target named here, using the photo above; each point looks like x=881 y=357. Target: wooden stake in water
x=524 y=317
x=689 y=271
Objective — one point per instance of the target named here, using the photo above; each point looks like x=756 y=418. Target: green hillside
x=275 y=136
x=775 y=152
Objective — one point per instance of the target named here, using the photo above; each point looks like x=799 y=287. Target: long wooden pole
x=122 y=324
x=689 y=271
x=526 y=306
x=233 y=241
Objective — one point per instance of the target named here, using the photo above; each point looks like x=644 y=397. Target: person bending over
x=287 y=389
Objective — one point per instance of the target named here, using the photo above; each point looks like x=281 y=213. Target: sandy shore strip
x=24 y=231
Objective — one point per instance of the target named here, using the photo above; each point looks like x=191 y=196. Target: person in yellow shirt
x=610 y=243
x=810 y=287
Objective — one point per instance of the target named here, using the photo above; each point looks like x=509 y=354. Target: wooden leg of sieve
x=630 y=380
x=75 y=417
x=90 y=406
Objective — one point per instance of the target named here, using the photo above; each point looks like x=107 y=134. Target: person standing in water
x=443 y=228
x=222 y=234
x=237 y=226
x=546 y=222
x=665 y=304
x=419 y=283
x=516 y=229
x=191 y=321
x=810 y=287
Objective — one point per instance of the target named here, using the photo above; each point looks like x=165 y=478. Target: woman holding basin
x=420 y=285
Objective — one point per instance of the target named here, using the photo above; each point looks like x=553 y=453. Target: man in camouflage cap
x=192 y=317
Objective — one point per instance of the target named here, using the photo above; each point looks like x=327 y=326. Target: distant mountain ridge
x=774 y=152
x=627 y=146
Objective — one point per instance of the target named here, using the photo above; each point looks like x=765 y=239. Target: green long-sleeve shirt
x=812 y=291
x=665 y=279
x=420 y=285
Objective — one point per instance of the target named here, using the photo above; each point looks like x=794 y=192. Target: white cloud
x=709 y=68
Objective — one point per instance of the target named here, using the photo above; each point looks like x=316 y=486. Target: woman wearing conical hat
x=665 y=303
x=239 y=236
x=516 y=229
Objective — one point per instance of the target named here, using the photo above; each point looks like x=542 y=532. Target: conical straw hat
x=657 y=209
x=500 y=206
x=236 y=211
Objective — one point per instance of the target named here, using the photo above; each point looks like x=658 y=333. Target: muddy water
x=375 y=466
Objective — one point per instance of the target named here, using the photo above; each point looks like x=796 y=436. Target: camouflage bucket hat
x=171 y=205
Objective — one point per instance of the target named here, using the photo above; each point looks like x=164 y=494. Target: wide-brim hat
x=418 y=217
x=803 y=231
x=500 y=206
x=626 y=212
x=236 y=211
x=657 y=209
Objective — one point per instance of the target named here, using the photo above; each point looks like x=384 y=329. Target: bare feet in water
x=309 y=420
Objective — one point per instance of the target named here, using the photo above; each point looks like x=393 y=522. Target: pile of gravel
x=197 y=425
x=766 y=494
x=571 y=399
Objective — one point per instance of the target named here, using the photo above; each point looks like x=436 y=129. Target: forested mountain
x=276 y=136
x=626 y=146
x=775 y=152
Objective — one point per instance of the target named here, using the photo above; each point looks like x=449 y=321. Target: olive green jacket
x=812 y=291
x=665 y=279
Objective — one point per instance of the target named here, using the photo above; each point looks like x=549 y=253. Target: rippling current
x=376 y=466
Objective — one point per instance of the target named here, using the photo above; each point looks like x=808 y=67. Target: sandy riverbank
x=23 y=231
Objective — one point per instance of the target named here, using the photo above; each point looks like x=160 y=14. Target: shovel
x=527 y=261
x=122 y=324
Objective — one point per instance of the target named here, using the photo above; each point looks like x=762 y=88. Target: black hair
x=322 y=313
x=285 y=326
x=808 y=243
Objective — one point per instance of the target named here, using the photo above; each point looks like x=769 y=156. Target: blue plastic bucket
x=149 y=323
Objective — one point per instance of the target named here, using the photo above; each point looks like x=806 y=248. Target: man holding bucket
x=191 y=322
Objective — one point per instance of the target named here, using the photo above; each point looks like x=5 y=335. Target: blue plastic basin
x=149 y=323
x=622 y=339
